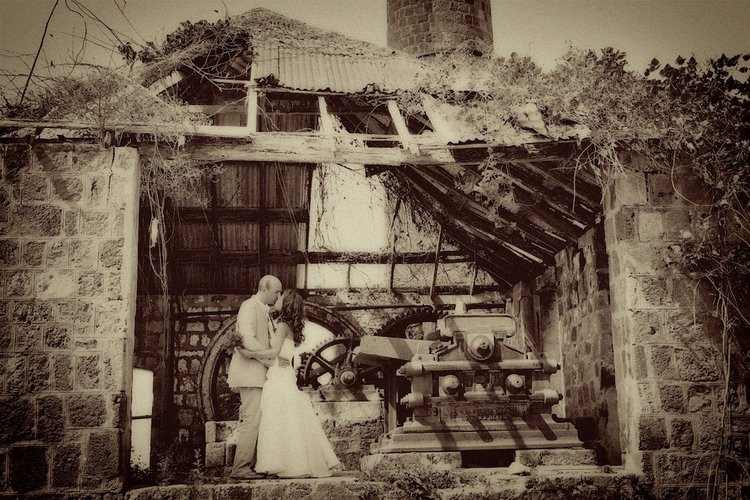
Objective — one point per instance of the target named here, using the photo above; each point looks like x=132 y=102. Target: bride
x=291 y=441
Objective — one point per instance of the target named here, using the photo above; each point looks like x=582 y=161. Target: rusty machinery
x=472 y=388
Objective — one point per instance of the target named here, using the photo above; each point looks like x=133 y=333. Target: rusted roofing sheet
x=305 y=70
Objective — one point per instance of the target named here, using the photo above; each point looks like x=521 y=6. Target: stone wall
x=668 y=367
x=424 y=27
x=582 y=279
x=68 y=226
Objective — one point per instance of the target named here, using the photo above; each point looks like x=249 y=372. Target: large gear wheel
x=396 y=326
x=331 y=363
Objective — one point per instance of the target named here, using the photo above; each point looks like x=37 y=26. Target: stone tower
x=425 y=27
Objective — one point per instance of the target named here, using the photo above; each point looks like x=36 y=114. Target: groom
x=247 y=375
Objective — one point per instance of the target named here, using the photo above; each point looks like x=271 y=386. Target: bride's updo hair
x=293 y=314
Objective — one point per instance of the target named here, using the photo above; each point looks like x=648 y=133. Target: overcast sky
x=542 y=29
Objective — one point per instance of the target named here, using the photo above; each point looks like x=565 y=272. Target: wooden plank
x=437 y=261
x=401 y=128
x=251 y=103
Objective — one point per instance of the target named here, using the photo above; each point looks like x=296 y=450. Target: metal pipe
x=415 y=368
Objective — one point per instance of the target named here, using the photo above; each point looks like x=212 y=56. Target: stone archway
x=217 y=401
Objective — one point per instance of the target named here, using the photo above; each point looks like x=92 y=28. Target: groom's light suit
x=248 y=376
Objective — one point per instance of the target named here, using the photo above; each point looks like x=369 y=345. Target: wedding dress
x=291 y=441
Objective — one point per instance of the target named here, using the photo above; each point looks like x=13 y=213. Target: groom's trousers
x=247 y=431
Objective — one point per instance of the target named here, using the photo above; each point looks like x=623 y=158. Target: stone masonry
x=425 y=27
x=67 y=290
x=668 y=368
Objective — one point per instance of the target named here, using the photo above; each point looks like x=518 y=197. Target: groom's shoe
x=247 y=476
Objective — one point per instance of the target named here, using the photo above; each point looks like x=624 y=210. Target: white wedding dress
x=291 y=441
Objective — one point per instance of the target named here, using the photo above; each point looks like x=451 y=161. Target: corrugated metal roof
x=306 y=70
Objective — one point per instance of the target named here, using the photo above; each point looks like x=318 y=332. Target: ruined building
x=586 y=281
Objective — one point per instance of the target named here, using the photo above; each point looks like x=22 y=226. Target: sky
x=541 y=29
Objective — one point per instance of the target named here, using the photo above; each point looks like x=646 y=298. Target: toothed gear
x=331 y=363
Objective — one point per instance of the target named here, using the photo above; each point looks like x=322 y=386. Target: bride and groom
x=278 y=433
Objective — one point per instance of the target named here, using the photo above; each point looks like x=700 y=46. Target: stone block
x=39 y=373
x=34 y=220
x=88 y=373
x=102 y=454
x=33 y=253
x=700 y=363
x=700 y=399
x=54 y=284
x=57 y=254
x=215 y=454
x=708 y=432
x=74 y=310
x=681 y=433
x=83 y=254
x=661 y=191
x=650 y=226
x=57 y=336
x=630 y=190
x=16 y=376
x=676 y=222
x=62 y=372
x=90 y=283
x=17 y=416
x=94 y=223
x=661 y=362
x=68 y=189
x=535 y=458
x=646 y=326
x=445 y=460
x=672 y=398
x=652 y=433
x=52 y=157
x=31 y=312
x=66 y=465
x=28 y=336
x=647 y=398
x=640 y=367
x=97 y=195
x=9 y=252
x=110 y=253
x=28 y=468
x=70 y=223
x=18 y=284
x=6 y=341
x=86 y=410
x=34 y=188
x=51 y=420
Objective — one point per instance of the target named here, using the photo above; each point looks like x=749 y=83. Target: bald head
x=269 y=289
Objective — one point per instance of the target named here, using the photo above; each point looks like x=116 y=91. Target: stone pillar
x=425 y=27
x=668 y=371
x=68 y=233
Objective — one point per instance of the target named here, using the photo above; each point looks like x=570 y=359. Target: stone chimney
x=425 y=27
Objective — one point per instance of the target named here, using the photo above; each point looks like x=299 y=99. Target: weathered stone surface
x=90 y=283
x=650 y=225
x=17 y=416
x=34 y=188
x=6 y=339
x=88 y=372
x=52 y=157
x=700 y=399
x=70 y=223
x=68 y=189
x=74 y=310
x=83 y=254
x=672 y=399
x=8 y=253
x=94 y=223
x=535 y=458
x=102 y=453
x=28 y=468
x=51 y=419
x=38 y=372
x=99 y=192
x=62 y=372
x=66 y=466
x=215 y=454
x=652 y=433
x=57 y=254
x=86 y=410
x=57 y=336
x=54 y=284
x=18 y=283
x=28 y=337
x=16 y=377
x=700 y=363
x=35 y=220
x=661 y=361
x=708 y=432
x=110 y=253
x=33 y=253
x=371 y=464
x=681 y=434
x=31 y=312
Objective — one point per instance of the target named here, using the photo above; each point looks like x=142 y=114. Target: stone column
x=68 y=234
x=668 y=368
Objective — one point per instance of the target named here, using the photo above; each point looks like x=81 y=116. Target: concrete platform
x=464 y=484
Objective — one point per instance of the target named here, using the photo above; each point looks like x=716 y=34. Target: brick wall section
x=424 y=27
x=668 y=371
x=67 y=261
